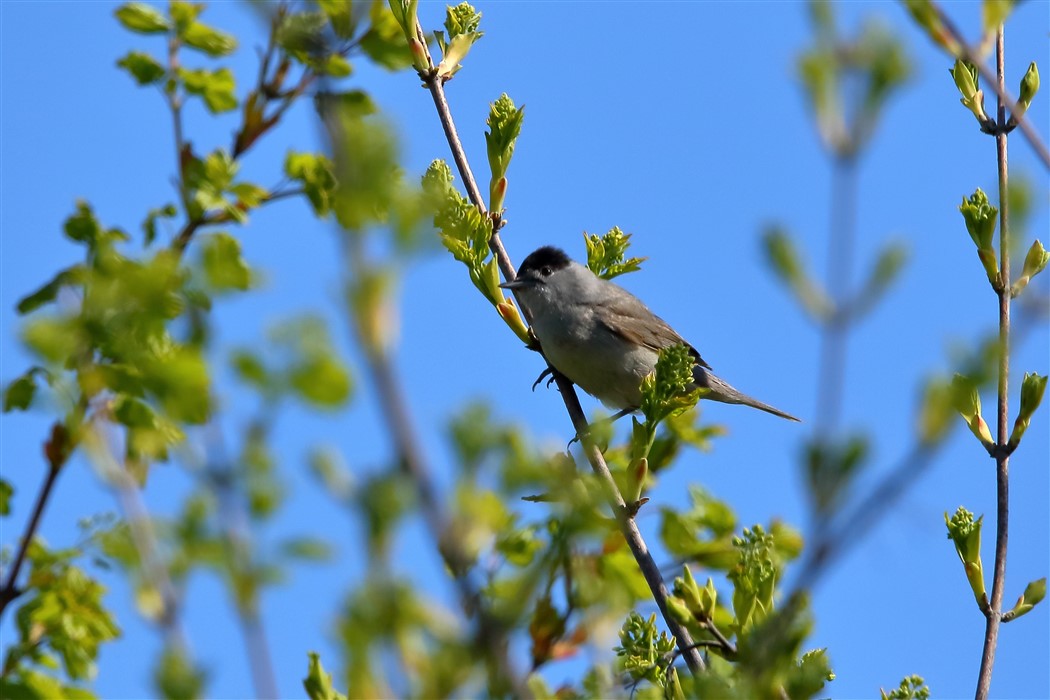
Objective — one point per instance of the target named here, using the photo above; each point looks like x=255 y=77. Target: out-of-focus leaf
x=142 y=18
x=145 y=69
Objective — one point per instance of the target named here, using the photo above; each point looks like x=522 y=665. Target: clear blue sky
x=682 y=123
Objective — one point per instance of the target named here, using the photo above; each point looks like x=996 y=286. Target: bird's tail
x=721 y=391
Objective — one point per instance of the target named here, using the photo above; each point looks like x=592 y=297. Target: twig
x=491 y=633
x=840 y=264
x=10 y=589
x=627 y=525
x=1002 y=458
x=997 y=82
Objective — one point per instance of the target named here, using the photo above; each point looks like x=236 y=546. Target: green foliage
x=980 y=217
x=754 y=577
x=504 y=122
x=145 y=69
x=19 y=393
x=642 y=654
x=176 y=677
x=61 y=623
x=967 y=402
x=702 y=534
x=215 y=87
x=1029 y=87
x=461 y=23
x=1033 y=594
x=606 y=255
x=784 y=260
x=301 y=362
x=142 y=18
x=669 y=389
x=6 y=492
x=384 y=42
x=965 y=76
x=965 y=532
x=1034 y=263
x=224 y=268
x=1033 y=386
x=318 y=683
x=850 y=82
x=910 y=688
x=315 y=173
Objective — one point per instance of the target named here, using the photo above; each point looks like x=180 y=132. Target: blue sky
x=682 y=123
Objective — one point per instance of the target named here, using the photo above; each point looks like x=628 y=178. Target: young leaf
x=318 y=682
x=143 y=68
x=215 y=87
x=142 y=18
x=208 y=39
x=20 y=392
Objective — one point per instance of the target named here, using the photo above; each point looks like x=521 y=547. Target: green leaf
x=910 y=688
x=340 y=16
x=215 y=87
x=149 y=225
x=224 y=268
x=384 y=41
x=142 y=18
x=208 y=39
x=250 y=369
x=315 y=173
x=605 y=254
x=1033 y=594
x=965 y=532
x=306 y=549
x=47 y=293
x=176 y=677
x=145 y=69
x=6 y=492
x=786 y=263
x=20 y=392
x=323 y=381
x=318 y=683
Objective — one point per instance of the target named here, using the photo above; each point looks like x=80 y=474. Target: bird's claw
x=548 y=372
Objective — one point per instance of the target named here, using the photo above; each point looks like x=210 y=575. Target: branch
x=998 y=84
x=56 y=459
x=620 y=510
x=491 y=633
x=1002 y=459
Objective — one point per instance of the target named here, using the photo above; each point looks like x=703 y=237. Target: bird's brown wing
x=657 y=335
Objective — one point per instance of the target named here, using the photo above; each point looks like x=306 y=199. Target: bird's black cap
x=546 y=257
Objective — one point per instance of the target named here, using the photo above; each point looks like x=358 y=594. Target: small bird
x=601 y=336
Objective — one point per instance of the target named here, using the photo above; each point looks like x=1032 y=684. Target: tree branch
x=1002 y=459
x=10 y=589
x=630 y=531
x=998 y=84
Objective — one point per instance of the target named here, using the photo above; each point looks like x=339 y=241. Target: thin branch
x=1002 y=459
x=630 y=531
x=10 y=589
x=841 y=244
x=998 y=85
x=491 y=633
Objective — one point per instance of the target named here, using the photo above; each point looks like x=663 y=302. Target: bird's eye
x=545 y=271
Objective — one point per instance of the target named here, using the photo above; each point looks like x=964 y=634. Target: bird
x=602 y=337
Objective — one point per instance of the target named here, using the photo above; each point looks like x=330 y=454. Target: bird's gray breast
x=599 y=361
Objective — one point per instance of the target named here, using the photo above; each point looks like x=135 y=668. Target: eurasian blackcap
x=601 y=336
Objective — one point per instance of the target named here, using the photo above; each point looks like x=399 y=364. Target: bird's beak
x=514 y=284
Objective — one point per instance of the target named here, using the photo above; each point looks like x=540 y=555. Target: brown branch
x=994 y=613
x=624 y=519
x=491 y=634
x=998 y=84
x=10 y=589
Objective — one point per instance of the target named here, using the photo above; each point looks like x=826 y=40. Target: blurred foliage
x=125 y=357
